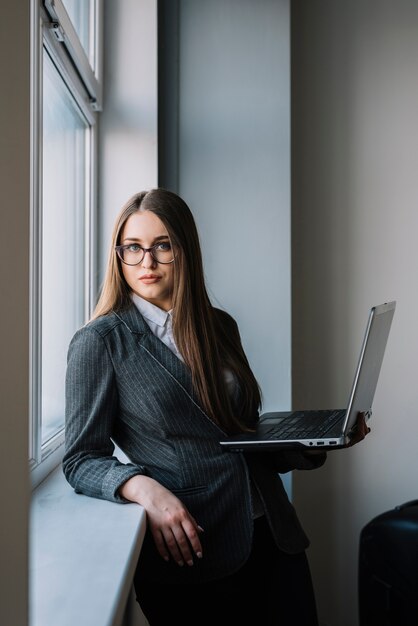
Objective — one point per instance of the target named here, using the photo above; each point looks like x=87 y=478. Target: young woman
x=162 y=373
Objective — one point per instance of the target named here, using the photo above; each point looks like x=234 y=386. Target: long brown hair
x=207 y=338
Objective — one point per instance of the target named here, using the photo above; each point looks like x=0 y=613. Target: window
x=81 y=15
x=66 y=99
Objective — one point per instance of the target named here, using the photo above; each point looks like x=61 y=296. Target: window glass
x=80 y=14
x=64 y=166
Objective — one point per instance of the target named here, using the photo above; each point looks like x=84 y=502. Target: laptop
x=327 y=428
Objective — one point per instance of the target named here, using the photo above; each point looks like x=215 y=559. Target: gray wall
x=234 y=168
x=355 y=219
x=14 y=312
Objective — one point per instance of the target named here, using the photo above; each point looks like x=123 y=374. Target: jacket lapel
x=157 y=350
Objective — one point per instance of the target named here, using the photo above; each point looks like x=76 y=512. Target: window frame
x=44 y=25
x=64 y=32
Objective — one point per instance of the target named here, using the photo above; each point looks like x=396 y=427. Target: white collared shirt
x=159 y=321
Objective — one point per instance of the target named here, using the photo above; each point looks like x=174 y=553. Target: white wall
x=128 y=157
x=14 y=311
x=234 y=169
x=355 y=219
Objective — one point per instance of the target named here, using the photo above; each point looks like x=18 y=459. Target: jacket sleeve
x=90 y=413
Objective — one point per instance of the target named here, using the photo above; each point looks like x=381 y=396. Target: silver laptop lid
x=370 y=360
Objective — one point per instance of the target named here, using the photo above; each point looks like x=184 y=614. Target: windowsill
x=83 y=553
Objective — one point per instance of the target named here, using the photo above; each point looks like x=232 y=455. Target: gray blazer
x=124 y=385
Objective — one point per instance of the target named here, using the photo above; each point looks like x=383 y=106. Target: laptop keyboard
x=304 y=425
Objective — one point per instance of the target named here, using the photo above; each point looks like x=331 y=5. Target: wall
x=354 y=224
x=232 y=164
x=128 y=157
x=14 y=313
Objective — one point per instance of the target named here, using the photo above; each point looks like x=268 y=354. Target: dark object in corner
x=388 y=568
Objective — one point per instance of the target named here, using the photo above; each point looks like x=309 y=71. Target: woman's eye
x=133 y=247
x=165 y=246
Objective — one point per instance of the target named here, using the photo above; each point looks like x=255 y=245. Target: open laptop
x=329 y=428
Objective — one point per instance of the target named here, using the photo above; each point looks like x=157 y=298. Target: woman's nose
x=148 y=260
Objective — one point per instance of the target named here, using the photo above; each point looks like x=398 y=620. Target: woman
x=162 y=373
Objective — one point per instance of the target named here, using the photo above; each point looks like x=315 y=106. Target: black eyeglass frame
x=119 y=249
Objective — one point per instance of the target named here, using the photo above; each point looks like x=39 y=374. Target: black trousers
x=272 y=589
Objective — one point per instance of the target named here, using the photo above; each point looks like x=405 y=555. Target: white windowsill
x=83 y=553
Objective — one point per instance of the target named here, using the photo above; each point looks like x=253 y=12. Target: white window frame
x=51 y=29
x=65 y=33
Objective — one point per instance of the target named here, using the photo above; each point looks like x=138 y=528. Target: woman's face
x=150 y=280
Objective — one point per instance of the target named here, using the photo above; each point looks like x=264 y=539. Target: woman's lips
x=149 y=279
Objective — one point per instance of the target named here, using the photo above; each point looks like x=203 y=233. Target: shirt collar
x=151 y=312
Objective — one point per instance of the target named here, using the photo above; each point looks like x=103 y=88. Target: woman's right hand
x=174 y=529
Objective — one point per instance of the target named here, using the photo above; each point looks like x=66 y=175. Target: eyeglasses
x=133 y=253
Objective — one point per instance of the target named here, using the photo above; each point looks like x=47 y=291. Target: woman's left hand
x=360 y=430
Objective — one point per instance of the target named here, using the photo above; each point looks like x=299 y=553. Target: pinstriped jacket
x=125 y=386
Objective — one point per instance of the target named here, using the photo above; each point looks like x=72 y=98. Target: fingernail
x=181 y=563
x=201 y=529
x=190 y=562
x=199 y=555
x=166 y=558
